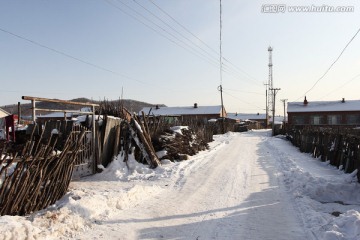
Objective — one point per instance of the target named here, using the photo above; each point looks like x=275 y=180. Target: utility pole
x=274 y=92
x=267 y=108
x=270 y=97
x=222 y=110
x=221 y=70
x=284 y=101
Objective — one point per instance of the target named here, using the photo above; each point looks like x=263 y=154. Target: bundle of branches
x=180 y=143
x=35 y=178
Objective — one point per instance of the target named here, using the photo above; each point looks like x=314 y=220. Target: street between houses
x=232 y=192
x=246 y=186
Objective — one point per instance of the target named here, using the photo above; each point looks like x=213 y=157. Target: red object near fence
x=10 y=122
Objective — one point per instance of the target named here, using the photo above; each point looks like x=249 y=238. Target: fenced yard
x=36 y=175
x=340 y=146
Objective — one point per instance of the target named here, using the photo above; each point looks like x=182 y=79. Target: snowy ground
x=247 y=186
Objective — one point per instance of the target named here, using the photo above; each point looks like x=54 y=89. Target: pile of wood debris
x=178 y=143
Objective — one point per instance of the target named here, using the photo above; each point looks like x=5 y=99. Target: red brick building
x=324 y=113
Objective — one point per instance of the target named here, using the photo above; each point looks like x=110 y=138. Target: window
x=334 y=119
x=316 y=120
x=298 y=120
x=353 y=119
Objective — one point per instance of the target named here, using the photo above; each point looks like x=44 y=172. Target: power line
x=226 y=67
x=172 y=28
x=69 y=56
x=338 y=88
x=221 y=71
x=236 y=90
x=251 y=104
x=211 y=60
x=189 y=47
x=187 y=30
x=331 y=64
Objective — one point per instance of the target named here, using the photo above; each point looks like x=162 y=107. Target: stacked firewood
x=179 y=146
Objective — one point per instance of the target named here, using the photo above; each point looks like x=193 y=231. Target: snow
x=247 y=116
x=324 y=106
x=177 y=129
x=246 y=186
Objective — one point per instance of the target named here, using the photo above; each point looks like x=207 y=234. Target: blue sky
x=125 y=53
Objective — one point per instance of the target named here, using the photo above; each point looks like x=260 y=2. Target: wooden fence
x=36 y=175
x=341 y=147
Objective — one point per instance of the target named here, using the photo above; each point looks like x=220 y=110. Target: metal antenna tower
x=270 y=98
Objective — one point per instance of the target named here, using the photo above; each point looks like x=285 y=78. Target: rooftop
x=324 y=106
x=178 y=111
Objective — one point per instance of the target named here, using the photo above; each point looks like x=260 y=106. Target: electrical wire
x=331 y=64
x=172 y=28
x=204 y=43
x=251 y=104
x=235 y=90
x=338 y=88
x=188 y=47
x=70 y=56
x=226 y=69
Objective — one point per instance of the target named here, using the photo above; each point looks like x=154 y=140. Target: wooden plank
x=58 y=101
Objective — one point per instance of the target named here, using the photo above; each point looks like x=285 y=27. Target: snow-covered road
x=233 y=193
x=246 y=186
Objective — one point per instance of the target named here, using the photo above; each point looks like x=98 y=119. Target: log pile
x=179 y=146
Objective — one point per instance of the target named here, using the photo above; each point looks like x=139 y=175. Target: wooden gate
x=86 y=163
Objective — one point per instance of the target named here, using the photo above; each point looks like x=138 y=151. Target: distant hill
x=131 y=105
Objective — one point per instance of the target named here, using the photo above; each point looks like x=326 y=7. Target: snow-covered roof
x=324 y=106
x=247 y=116
x=3 y=113
x=68 y=114
x=178 y=111
x=55 y=115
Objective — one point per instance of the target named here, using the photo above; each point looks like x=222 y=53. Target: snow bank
x=89 y=202
x=327 y=198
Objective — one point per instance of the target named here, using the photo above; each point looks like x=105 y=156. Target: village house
x=60 y=116
x=3 y=114
x=324 y=113
x=190 y=113
x=258 y=120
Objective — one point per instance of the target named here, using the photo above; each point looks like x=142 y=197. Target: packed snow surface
x=246 y=186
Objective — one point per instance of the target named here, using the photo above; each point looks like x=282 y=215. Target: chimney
x=157 y=107
x=343 y=100
x=195 y=105
x=305 y=101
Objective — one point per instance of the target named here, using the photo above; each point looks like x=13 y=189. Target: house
x=3 y=114
x=198 y=113
x=324 y=113
x=61 y=115
x=258 y=118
